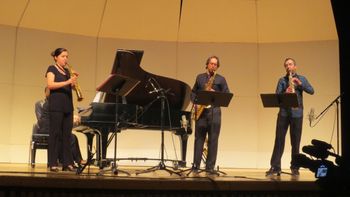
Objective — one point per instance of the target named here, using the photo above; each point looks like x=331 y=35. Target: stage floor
x=23 y=175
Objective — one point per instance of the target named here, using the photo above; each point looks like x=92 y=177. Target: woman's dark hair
x=211 y=57
x=58 y=52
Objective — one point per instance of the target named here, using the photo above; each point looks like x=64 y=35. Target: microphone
x=184 y=122
x=321 y=144
x=315 y=152
x=167 y=91
x=311 y=116
x=318 y=152
x=153 y=91
x=149 y=81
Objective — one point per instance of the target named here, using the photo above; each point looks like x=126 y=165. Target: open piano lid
x=127 y=64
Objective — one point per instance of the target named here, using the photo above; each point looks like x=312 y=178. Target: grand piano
x=138 y=106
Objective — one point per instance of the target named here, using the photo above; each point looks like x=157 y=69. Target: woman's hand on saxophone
x=73 y=80
x=75 y=73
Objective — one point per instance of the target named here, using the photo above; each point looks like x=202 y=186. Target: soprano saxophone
x=76 y=87
x=291 y=83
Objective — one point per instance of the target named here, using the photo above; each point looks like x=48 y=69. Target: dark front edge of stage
x=126 y=183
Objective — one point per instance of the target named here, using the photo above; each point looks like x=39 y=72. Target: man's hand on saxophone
x=296 y=81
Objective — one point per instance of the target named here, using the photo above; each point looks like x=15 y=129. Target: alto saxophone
x=200 y=108
x=76 y=87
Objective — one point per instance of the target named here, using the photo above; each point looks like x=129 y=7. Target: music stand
x=280 y=100
x=117 y=85
x=214 y=99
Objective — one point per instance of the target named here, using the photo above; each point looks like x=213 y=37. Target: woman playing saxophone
x=60 y=83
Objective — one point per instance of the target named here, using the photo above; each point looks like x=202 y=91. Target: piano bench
x=38 y=141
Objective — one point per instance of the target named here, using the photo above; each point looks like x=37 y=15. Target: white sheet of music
x=99 y=97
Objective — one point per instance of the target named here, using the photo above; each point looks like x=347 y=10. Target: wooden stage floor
x=249 y=180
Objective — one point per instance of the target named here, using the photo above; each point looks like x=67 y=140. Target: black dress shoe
x=195 y=170
x=211 y=172
x=273 y=171
x=54 y=169
x=295 y=172
x=70 y=168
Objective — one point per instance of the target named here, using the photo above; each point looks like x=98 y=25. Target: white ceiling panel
x=238 y=21
x=295 y=20
x=11 y=11
x=219 y=21
x=141 y=20
x=80 y=17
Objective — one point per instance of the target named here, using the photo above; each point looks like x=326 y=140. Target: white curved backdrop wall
x=251 y=65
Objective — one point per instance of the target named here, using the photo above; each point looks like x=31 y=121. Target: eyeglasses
x=289 y=64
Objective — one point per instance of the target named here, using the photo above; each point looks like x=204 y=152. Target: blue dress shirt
x=283 y=83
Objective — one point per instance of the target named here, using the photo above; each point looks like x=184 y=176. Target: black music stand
x=117 y=85
x=161 y=166
x=214 y=99
x=280 y=100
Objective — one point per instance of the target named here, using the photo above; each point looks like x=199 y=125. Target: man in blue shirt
x=209 y=121
x=289 y=117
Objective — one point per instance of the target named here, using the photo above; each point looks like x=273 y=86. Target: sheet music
x=99 y=97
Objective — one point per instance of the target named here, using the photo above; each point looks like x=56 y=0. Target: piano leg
x=89 y=139
x=183 y=146
x=90 y=136
x=90 y=133
x=104 y=144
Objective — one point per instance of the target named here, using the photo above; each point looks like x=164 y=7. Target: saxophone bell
x=208 y=87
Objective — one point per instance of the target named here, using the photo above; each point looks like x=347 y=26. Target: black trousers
x=282 y=125
x=60 y=138
x=208 y=123
x=76 y=154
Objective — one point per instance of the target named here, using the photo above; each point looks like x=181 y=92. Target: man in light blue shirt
x=289 y=117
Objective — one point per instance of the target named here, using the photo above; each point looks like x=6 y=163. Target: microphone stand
x=161 y=165
x=336 y=101
x=194 y=115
